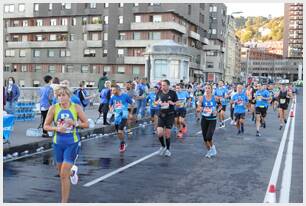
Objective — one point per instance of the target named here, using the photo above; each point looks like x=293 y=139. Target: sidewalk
x=19 y=142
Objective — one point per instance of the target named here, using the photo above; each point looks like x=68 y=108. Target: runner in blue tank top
x=67 y=118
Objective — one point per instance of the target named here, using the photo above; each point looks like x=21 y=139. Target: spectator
x=12 y=95
x=83 y=95
x=73 y=98
x=102 y=80
x=46 y=96
x=142 y=91
x=55 y=82
x=105 y=97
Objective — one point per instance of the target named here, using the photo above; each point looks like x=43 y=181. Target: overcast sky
x=256 y=9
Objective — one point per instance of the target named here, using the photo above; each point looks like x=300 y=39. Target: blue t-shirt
x=240 y=101
x=209 y=108
x=182 y=97
x=120 y=104
x=221 y=92
x=258 y=97
x=151 y=98
x=45 y=93
x=73 y=99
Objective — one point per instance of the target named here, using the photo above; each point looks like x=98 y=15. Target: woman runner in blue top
x=207 y=105
x=67 y=117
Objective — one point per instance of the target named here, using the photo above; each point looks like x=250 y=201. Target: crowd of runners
x=168 y=105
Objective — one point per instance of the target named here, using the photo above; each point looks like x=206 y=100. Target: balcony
x=94 y=43
x=135 y=43
x=93 y=27
x=158 y=26
x=212 y=47
x=194 y=35
x=37 y=44
x=205 y=40
x=37 y=29
x=134 y=60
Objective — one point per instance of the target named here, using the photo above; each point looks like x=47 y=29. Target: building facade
x=79 y=41
x=293 y=30
x=230 y=51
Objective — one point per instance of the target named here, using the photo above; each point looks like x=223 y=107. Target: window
x=154 y=35
x=73 y=21
x=136 y=4
x=92 y=5
x=72 y=37
x=174 y=69
x=85 y=37
x=201 y=18
x=64 y=69
x=120 y=19
x=84 y=69
x=7 y=68
x=105 y=36
x=66 y=5
x=136 y=35
x=24 y=38
x=120 y=52
x=137 y=18
x=95 y=36
x=50 y=6
x=64 y=53
x=96 y=20
x=84 y=20
x=121 y=4
x=10 y=53
x=106 y=5
x=37 y=68
x=16 y=23
x=36 y=7
x=89 y=52
x=120 y=70
x=161 y=67
x=105 y=19
x=24 y=68
x=53 y=22
x=51 y=68
x=52 y=37
x=25 y=23
x=214 y=31
x=64 y=21
x=21 y=83
x=136 y=70
x=189 y=9
x=154 y=4
x=157 y=18
x=51 y=53
x=21 y=7
x=122 y=36
x=105 y=53
x=22 y=53
x=210 y=65
x=39 y=22
x=107 y=69
x=69 y=68
x=9 y=8
x=36 y=53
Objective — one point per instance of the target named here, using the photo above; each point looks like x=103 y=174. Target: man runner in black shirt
x=166 y=99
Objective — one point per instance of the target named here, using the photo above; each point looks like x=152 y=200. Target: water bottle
x=91 y=123
x=24 y=153
x=8 y=156
x=33 y=132
x=144 y=125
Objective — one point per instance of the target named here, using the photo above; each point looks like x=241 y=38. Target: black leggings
x=208 y=128
x=232 y=112
x=44 y=115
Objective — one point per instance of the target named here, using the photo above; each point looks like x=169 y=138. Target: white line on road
x=119 y=170
x=287 y=173
x=199 y=132
x=278 y=160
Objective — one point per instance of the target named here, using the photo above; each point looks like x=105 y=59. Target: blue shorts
x=154 y=112
x=66 y=152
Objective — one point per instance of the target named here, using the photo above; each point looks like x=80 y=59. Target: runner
x=119 y=105
x=130 y=90
x=180 y=110
x=248 y=93
x=221 y=95
x=207 y=106
x=239 y=100
x=166 y=99
x=262 y=97
x=67 y=117
x=253 y=101
x=232 y=93
x=154 y=108
x=283 y=97
x=275 y=92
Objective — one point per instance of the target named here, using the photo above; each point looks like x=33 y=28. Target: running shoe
x=184 y=130
x=280 y=127
x=167 y=153
x=74 y=175
x=208 y=154
x=258 y=134
x=220 y=126
x=162 y=151
x=264 y=124
x=122 y=147
x=285 y=120
x=232 y=122
x=198 y=119
x=223 y=124
x=213 y=151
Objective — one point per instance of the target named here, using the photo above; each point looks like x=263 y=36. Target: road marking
x=119 y=170
x=278 y=159
x=287 y=173
x=199 y=132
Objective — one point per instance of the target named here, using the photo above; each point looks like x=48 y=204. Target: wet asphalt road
x=240 y=173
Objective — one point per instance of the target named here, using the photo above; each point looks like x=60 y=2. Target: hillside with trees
x=250 y=28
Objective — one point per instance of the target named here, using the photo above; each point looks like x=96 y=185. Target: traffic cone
x=291 y=113
x=271 y=196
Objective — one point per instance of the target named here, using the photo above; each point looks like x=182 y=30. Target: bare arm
x=83 y=119
x=49 y=119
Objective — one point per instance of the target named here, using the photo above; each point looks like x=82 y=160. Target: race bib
x=240 y=102
x=259 y=98
x=282 y=101
x=207 y=111
x=180 y=103
x=165 y=106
